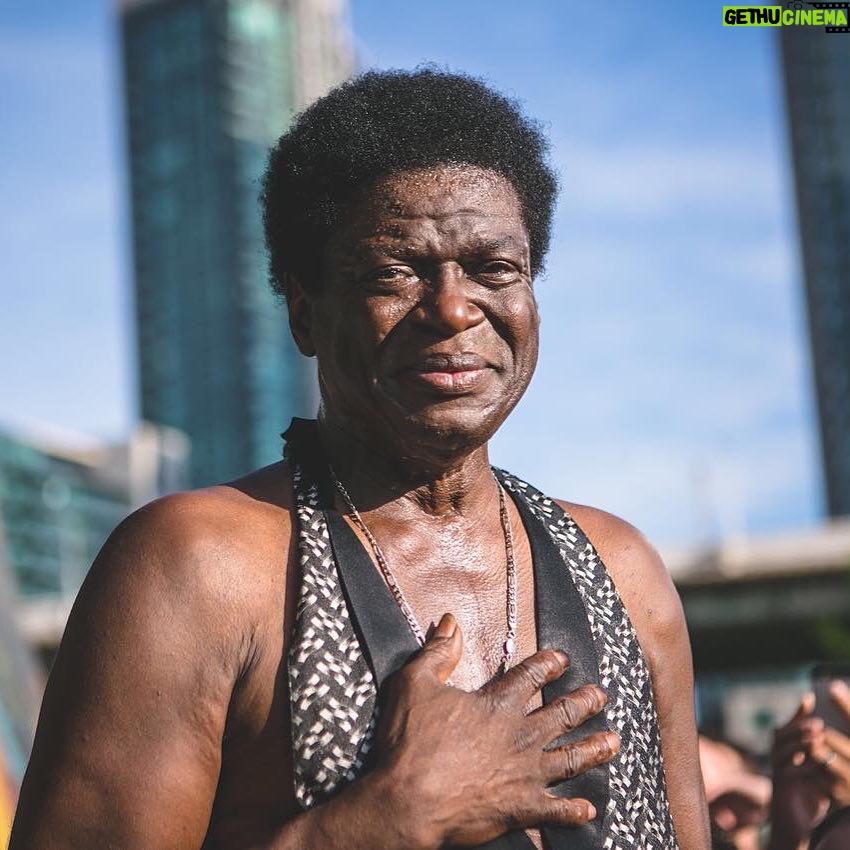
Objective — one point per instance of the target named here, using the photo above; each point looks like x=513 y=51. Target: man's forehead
x=397 y=236
x=423 y=209
x=450 y=189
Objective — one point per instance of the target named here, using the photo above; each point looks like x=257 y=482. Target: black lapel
x=384 y=633
x=562 y=624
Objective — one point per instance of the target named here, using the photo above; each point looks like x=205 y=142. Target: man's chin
x=445 y=423
x=447 y=429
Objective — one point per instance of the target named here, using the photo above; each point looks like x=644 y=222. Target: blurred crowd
x=802 y=802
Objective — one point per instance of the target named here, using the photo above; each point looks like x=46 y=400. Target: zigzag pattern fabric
x=333 y=694
x=332 y=690
x=638 y=814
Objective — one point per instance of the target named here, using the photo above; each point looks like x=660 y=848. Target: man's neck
x=380 y=478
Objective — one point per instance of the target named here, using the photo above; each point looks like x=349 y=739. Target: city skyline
x=673 y=385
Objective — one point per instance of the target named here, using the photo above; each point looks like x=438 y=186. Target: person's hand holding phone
x=811 y=763
x=831 y=749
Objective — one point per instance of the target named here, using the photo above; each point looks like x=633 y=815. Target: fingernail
x=563 y=657
x=817 y=724
x=838 y=688
x=447 y=627
x=591 y=811
x=613 y=742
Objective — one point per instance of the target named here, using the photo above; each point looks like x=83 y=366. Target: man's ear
x=300 y=315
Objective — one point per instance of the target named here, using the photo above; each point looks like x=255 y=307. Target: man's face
x=426 y=326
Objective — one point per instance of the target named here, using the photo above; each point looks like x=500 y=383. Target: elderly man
x=382 y=642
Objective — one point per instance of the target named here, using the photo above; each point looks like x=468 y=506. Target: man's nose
x=449 y=304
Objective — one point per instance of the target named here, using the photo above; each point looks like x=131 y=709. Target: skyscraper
x=817 y=81
x=210 y=85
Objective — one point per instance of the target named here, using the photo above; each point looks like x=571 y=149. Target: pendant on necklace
x=510 y=647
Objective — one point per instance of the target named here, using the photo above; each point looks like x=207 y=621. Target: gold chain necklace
x=509 y=644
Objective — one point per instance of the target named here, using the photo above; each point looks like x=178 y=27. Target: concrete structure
x=210 y=85
x=60 y=498
x=817 y=82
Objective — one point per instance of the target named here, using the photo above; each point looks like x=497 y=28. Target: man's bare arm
x=656 y=612
x=128 y=747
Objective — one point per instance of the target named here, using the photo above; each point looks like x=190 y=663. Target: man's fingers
x=442 y=651
x=567 y=762
x=785 y=754
x=837 y=742
x=797 y=730
x=560 y=811
x=522 y=682
x=566 y=713
x=832 y=755
x=796 y=747
x=804 y=710
x=839 y=693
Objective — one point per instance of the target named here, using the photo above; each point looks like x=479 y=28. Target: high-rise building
x=817 y=82
x=210 y=85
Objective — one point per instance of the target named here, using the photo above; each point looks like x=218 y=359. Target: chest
x=487 y=586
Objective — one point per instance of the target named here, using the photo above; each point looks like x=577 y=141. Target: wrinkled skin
x=166 y=716
x=430 y=266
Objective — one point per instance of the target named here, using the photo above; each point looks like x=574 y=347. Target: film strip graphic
x=799 y=4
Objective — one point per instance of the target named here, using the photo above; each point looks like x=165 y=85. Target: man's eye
x=499 y=271
x=390 y=275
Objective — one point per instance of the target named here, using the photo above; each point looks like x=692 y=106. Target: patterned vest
x=349 y=636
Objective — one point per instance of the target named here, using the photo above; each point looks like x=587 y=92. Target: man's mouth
x=449 y=373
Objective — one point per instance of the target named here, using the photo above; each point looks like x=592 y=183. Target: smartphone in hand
x=825 y=708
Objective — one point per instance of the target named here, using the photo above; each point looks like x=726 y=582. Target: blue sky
x=673 y=385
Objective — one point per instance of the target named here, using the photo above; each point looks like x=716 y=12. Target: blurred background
x=695 y=363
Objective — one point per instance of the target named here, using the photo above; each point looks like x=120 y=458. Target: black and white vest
x=349 y=636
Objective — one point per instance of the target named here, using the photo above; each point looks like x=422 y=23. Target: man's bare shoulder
x=639 y=574
x=625 y=550
x=221 y=549
x=240 y=523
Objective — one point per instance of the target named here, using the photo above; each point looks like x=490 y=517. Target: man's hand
x=832 y=749
x=470 y=766
x=805 y=776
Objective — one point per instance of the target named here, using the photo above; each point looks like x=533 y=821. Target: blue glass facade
x=210 y=85
x=817 y=76
x=55 y=514
x=58 y=504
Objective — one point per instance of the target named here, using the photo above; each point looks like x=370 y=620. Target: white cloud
x=660 y=178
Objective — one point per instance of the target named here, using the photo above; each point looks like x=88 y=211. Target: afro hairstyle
x=386 y=122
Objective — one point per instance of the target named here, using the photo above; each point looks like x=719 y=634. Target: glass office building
x=61 y=498
x=210 y=85
x=817 y=78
